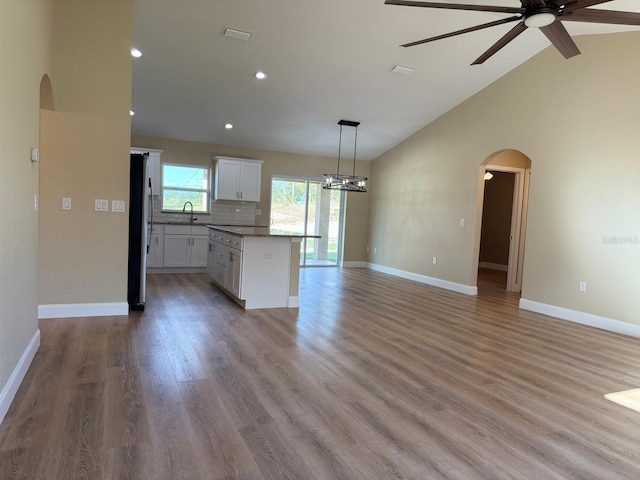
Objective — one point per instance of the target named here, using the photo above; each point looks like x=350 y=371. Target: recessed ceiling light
x=228 y=126
x=136 y=53
x=132 y=113
x=260 y=75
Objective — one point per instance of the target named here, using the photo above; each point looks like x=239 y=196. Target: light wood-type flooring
x=373 y=377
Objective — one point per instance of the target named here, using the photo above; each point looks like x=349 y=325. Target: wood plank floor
x=374 y=377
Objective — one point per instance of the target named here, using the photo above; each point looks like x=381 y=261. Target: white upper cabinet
x=153 y=167
x=237 y=179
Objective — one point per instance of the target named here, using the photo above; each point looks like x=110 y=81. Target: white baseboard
x=493 y=266
x=15 y=379
x=294 y=302
x=83 y=310
x=436 y=282
x=581 y=317
x=355 y=264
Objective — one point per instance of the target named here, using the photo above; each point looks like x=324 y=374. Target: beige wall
x=25 y=39
x=85 y=155
x=275 y=163
x=577 y=121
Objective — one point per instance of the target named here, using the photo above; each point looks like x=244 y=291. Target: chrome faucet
x=184 y=210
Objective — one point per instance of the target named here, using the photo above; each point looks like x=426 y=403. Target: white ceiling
x=326 y=60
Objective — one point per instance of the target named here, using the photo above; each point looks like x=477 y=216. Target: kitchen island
x=258 y=267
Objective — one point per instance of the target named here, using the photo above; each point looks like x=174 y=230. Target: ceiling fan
x=546 y=15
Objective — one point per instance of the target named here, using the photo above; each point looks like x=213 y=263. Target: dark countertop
x=179 y=222
x=258 y=231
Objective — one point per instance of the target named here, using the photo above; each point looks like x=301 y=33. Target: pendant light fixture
x=348 y=183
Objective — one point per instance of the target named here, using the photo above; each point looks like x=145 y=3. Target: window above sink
x=183 y=183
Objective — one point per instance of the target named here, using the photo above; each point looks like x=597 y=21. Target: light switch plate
x=102 y=205
x=117 y=206
x=66 y=203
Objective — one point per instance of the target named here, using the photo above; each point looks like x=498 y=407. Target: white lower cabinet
x=199 y=251
x=185 y=246
x=224 y=262
x=155 y=255
x=234 y=267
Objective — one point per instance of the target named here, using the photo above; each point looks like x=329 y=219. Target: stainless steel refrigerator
x=140 y=213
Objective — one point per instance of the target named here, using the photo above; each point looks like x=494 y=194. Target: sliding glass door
x=302 y=205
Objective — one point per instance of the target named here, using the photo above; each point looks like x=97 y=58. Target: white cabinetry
x=153 y=167
x=234 y=266
x=155 y=255
x=185 y=246
x=224 y=262
x=237 y=179
x=255 y=270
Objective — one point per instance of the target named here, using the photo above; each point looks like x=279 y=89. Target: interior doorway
x=503 y=202
x=495 y=237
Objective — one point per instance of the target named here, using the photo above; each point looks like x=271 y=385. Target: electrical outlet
x=583 y=286
x=375 y=250
x=462 y=222
x=435 y=260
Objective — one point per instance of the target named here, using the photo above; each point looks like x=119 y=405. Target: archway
x=502 y=215
x=46 y=94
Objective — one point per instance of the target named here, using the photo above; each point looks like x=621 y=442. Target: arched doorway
x=46 y=93
x=502 y=206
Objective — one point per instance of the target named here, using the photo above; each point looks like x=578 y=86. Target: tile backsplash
x=222 y=213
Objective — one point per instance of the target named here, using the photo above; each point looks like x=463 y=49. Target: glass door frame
x=308 y=181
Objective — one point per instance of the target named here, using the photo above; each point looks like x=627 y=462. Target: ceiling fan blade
x=511 y=34
x=576 y=4
x=466 y=30
x=560 y=38
x=533 y=3
x=456 y=6
x=602 y=16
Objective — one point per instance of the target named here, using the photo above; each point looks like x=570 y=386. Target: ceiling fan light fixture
x=540 y=19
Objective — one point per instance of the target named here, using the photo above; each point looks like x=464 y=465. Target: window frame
x=207 y=191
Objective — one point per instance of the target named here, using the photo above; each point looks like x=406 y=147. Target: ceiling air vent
x=235 y=33
x=402 y=70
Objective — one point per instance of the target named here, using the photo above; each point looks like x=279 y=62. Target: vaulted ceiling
x=325 y=60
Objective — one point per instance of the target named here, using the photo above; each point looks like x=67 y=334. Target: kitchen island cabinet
x=256 y=266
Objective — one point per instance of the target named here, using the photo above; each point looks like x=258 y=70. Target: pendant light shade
x=348 y=183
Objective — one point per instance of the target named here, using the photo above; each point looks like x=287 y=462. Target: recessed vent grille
x=402 y=70
x=235 y=33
